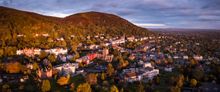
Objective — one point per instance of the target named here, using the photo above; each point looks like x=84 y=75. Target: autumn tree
x=35 y=66
x=15 y=67
x=193 y=82
x=52 y=58
x=1 y=52
x=45 y=86
x=63 y=80
x=122 y=63
x=110 y=69
x=85 y=87
x=180 y=80
x=140 y=88
x=91 y=78
x=114 y=89
x=103 y=76
x=43 y=55
x=198 y=73
x=9 y=51
x=175 y=89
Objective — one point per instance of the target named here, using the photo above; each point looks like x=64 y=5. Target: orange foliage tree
x=63 y=80
x=13 y=67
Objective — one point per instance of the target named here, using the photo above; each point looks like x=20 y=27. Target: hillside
x=22 y=22
x=16 y=22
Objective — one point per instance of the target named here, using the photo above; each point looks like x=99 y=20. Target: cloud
x=150 y=25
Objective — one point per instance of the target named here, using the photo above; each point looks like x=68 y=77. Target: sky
x=197 y=14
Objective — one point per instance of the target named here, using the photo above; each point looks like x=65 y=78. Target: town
x=170 y=62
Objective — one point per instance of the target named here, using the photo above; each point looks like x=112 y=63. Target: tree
x=180 y=80
x=110 y=69
x=103 y=76
x=157 y=80
x=43 y=55
x=193 y=82
x=175 y=89
x=198 y=73
x=193 y=61
x=63 y=80
x=9 y=51
x=76 y=56
x=52 y=58
x=35 y=66
x=121 y=90
x=114 y=89
x=122 y=63
x=91 y=78
x=140 y=88
x=13 y=67
x=85 y=87
x=45 y=86
x=1 y=52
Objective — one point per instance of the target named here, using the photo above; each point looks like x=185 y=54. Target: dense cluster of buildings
x=145 y=72
x=36 y=51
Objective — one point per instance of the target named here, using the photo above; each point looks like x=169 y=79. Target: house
x=132 y=38
x=44 y=73
x=108 y=58
x=21 y=35
x=185 y=57
x=118 y=41
x=168 y=69
x=139 y=74
x=12 y=78
x=132 y=57
x=45 y=35
x=86 y=59
x=29 y=52
x=198 y=57
x=147 y=64
x=63 y=58
x=60 y=39
x=66 y=68
x=29 y=66
x=57 y=51
x=105 y=52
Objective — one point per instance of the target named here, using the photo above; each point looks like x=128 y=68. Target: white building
x=67 y=68
x=138 y=74
x=168 y=69
x=198 y=58
x=57 y=51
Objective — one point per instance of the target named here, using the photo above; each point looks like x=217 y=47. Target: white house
x=197 y=57
x=138 y=74
x=67 y=68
